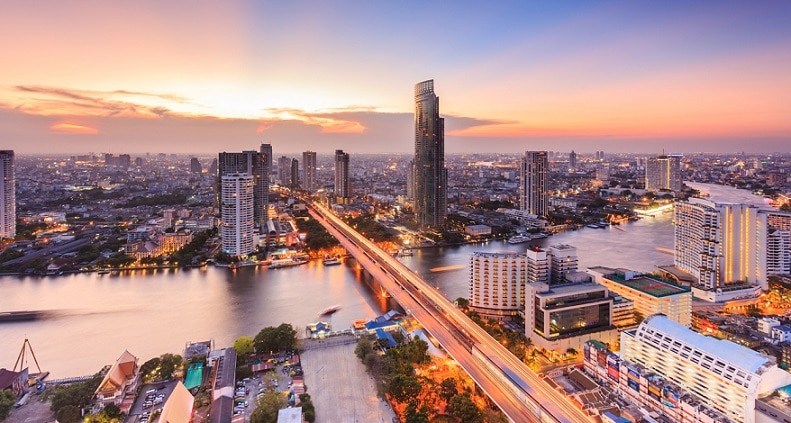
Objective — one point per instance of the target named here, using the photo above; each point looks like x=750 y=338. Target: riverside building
x=497 y=284
x=533 y=189
x=237 y=228
x=431 y=176
x=663 y=173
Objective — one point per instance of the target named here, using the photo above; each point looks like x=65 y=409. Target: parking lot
x=152 y=398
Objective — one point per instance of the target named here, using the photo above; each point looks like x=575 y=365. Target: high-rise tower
x=431 y=177
x=533 y=190
x=294 y=173
x=267 y=149
x=251 y=163
x=309 y=170
x=7 y=195
x=343 y=192
x=663 y=173
x=236 y=198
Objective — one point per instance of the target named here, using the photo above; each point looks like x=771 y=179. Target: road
x=455 y=332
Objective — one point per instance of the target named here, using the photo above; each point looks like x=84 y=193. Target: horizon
x=513 y=76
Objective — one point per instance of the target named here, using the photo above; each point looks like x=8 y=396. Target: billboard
x=669 y=398
x=654 y=391
x=613 y=367
x=633 y=379
x=602 y=358
x=633 y=384
x=586 y=349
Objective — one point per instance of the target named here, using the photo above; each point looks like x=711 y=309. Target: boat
x=290 y=262
x=330 y=310
x=19 y=316
x=330 y=261
x=103 y=272
x=540 y=235
x=406 y=252
x=519 y=239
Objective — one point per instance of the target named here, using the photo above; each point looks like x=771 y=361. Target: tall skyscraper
x=267 y=149
x=309 y=171
x=284 y=170
x=294 y=173
x=431 y=177
x=343 y=192
x=236 y=197
x=251 y=163
x=195 y=166
x=572 y=160
x=7 y=195
x=534 y=194
x=663 y=173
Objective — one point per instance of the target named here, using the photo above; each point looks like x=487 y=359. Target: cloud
x=71 y=128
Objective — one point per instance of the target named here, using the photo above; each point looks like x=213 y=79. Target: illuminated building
x=724 y=375
x=343 y=192
x=497 y=284
x=533 y=191
x=236 y=196
x=559 y=317
x=649 y=294
x=774 y=234
x=572 y=160
x=431 y=176
x=537 y=265
x=663 y=173
x=7 y=195
x=251 y=163
x=562 y=261
x=309 y=171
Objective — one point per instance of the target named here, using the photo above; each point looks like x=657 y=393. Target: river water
x=94 y=318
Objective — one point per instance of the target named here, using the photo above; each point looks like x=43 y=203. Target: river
x=95 y=317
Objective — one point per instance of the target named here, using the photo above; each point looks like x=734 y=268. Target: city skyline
x=616 y=76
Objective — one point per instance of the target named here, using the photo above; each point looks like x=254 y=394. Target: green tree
x=168 y=363
x=267 y=406
x=280 y=338
x=413 y=415
x=69 y=414
x=147 y=370
x=363 y=347
x=463 y=408
x=447 y=389
x=243 y=346
x=7 y=400
x=462 y=303
x=308 y=410
x=404 y=388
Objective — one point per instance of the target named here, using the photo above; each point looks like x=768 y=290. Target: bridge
x=517 y=390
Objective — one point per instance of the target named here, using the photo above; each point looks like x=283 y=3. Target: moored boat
x=519 y=239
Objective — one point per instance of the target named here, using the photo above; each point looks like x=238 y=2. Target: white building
x=563 y=260
x=537 y=265
x=237 y=229
x=663 y=173
x=497 y=284
x=724 y=375
x=7 y=195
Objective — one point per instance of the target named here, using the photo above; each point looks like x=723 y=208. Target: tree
x=69 y=414
x=413 y=415
x=463 y=408
x=447 y=389
x=281 y=338
x=462 y=303
x=7 y=400
x=404 y=388
x=168 y=363
x=363 y=347
x=267 y=406
x=243 y=346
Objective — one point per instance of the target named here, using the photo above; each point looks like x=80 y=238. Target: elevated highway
x=520 y=393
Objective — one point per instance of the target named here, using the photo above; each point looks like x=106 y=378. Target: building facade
x=726 y=376
x=431 y=176
x=309 y=171
x=663 y=173
x=649 y=294
x=237 y=229
x=533 y=189
x=343 y=191
x=294 y=180
x=7 y=195
x=497 y=284
x=562 y=261
x=252 y=163
x=284 y=171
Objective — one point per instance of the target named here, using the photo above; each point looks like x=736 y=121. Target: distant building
x=565 y=316
x=309 y=171
x=726 y=376
x=431 y=176
x=572 y=160
x=343 y=192
x=266 y=151
x=294 y=173
x=237 y=229
x=663 y=173
x=649 y=294
x=534 y=192
x=497 y=284
x=284 y=171
x=477 y=230
x=195 y=166
x=254 y=164
x=7 y=195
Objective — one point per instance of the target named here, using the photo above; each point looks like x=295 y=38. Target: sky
x=209 y=76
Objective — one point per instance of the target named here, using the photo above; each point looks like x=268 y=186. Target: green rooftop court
x=654 y=287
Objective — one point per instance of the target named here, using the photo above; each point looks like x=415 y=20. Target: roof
x=652 y=286
x=122 y=370
x=732 y=352
x=221 y=410
x=386 y=335
x=178 y=407
x=289 y=415
x=7 y=378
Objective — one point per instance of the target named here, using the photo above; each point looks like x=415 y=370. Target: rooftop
x=653 y=287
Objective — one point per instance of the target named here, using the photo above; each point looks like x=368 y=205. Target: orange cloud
x=70 y=128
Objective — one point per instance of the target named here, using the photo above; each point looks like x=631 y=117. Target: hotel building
x=236 y=196
x=649 y=294
x=497 y=284
x=663 y=173
x=724 y=375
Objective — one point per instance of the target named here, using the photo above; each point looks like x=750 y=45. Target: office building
x=572 y=160
x=431 y=177
x=195 y=166
x=649 y=294
x=497 y=284
x=343 y=192
x=266 y=149
x=309 y=171
x=284 y=171
x=559 y=317
x=663 y=173
x=251 y=163
x=238 y=238
x=562 y=261
x=533 y=191
x=726 y=376
x=7 y=195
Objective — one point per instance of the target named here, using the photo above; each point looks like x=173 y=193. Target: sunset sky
x=201 y=77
